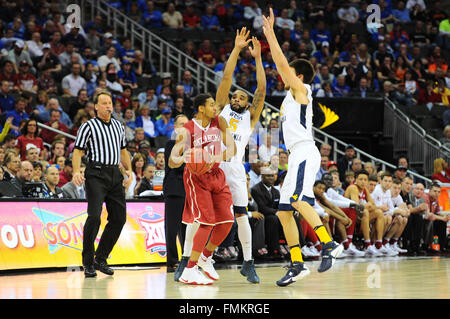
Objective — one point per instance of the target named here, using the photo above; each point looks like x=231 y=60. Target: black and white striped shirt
x=102 y=141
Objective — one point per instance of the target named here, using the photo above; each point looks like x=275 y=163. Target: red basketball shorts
x=208 y=198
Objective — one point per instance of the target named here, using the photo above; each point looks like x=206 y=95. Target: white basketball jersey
x=240 y=128
x=296 y=119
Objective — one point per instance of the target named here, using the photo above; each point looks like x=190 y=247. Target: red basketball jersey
x=208 y=198
x=363 y=197
x=209 y=138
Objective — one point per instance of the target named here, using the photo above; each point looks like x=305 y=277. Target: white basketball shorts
x=237 y=182
x=303 y=165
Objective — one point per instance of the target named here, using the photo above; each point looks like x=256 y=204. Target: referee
x=103 y=138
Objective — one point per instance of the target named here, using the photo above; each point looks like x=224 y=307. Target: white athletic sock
x=191 y=229
x=245 y=236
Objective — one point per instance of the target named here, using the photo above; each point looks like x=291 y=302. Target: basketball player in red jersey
x=208 y=198
x=359 y=193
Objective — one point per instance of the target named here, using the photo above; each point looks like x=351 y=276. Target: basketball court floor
x=358 y=278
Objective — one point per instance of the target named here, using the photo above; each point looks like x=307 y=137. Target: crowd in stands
x=405 y=58
x=50 y=72
x=399 y=59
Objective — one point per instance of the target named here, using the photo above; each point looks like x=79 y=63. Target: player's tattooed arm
x=223 y=90
x=260 y=93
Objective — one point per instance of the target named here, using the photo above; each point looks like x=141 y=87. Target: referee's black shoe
x=89 y=271
x=103 y=267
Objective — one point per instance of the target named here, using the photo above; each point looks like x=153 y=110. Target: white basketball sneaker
x=206 y=264
x=398 y=249
x=193 y=276
x=387 y=251
x=353 y=251
x=306 y=252
x=314 y=251
x=372 y=251
x=343 y=254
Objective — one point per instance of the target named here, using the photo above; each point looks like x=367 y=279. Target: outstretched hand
x=256 y=49
x=268 y=23
x=241 y=41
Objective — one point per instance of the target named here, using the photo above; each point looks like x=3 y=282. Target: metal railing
x=170 y=58
x=56 y=131
x=410 y=138
x=338 y=147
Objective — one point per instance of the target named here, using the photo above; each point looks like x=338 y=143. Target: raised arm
x=223 y=90
x=290 y=79
x=260 y=93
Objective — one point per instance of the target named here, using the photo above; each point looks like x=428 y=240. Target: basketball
x=200 y=161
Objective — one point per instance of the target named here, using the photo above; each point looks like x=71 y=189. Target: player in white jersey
x=401 y=217
x=393 y=216
x=304 y=159
x=241 y=118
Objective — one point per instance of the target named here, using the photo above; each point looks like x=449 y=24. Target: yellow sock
x=322 y=233
x=296 y=254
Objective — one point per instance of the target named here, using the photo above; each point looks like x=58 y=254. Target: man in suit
x=257 y=225
x=363 y=90
x=146 y=183
x=174 y=196
x=267 y=198
x=24 y=175
x=418 y=208
x=70 y=190
x=345 y=162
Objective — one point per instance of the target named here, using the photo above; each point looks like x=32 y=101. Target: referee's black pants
x=174 y=206
x=103 y=185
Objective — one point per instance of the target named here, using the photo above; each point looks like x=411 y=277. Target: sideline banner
x=444 y=202
x=50 y=234
x=444 y=199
